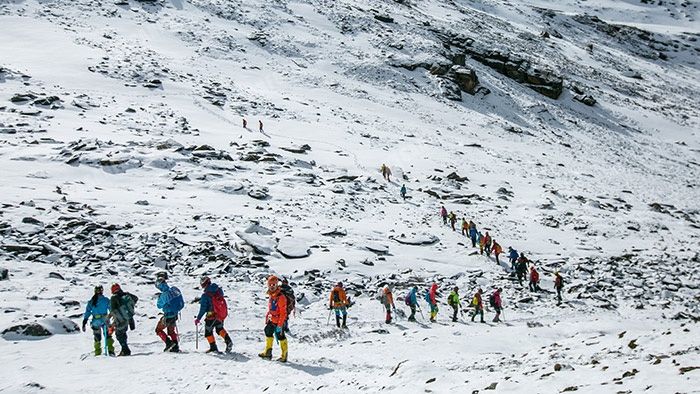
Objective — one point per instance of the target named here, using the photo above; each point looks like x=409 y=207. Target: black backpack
x=336 y=296
x=289 y=294
x=492 y=301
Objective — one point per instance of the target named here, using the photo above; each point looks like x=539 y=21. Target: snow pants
x=171 y=324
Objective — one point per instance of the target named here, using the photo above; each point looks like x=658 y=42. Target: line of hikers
x=519 y=263
x=411 y=300
x=116 y=315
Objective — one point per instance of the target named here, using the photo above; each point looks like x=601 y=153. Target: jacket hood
x=433 y=287
x=162 y=286
x=212 y=288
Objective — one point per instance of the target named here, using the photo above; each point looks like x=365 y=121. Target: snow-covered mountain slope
x=568 y=131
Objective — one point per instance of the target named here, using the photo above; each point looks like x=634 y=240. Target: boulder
x=293 y=248
x=40 y=329
x=259 y=243
x=299 y=149
x=4 y=274
x=416 y=239
x=465 y=78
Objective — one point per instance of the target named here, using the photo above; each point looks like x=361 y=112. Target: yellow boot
x=268 y=349
x=432 y=316
x=283 y=345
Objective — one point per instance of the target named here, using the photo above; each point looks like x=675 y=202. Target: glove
x=132 y=324
x=110 y=330
x=196 y=322
x=84 y=323
x=330 y=307
x=278 y=329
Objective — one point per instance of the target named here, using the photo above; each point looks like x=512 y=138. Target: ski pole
x=196 y=330
x=329 y=316
x=503 y=311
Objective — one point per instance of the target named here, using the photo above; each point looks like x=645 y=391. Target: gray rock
x=301 y=149
x=258 y=194
x=56 y=275
x=142 y=202
x=293 y=248
x=4 y=274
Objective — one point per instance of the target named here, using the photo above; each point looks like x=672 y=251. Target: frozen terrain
x=569 y=130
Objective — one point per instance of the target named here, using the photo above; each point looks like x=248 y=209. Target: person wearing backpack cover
x=213 y=305
x=387 y=300
x=339 y=303
x=513 y=256
x=487 y=244
x=121 y=316
x=170 y=302
x=495 y=301
x=521 y=268
x=291 y=301
x=453 y=301
x=443 y=213
x=534 y=280
x=558 y=285
x=430 y=298
x=412 y=302
x=274 y=320
x=98 y=308
x=478 y=305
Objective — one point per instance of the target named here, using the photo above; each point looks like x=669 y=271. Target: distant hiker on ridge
x=261 y=129
x=443 y=213
x=245 y=124
x=403 y=191
x=495 y=301
x=478 y=305
x=412 y=302
x=496 y=249
x=534 y=279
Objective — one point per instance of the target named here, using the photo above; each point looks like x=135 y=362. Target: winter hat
x=99 y=289
x=272 y=282
x=115 y=287
x=340 y=284
x=204 y=281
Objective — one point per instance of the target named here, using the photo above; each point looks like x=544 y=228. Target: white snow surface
x=141 y=164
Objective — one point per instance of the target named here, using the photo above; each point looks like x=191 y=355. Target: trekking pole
x=503 y=311
x=104 y=328
x=421 y=311
x=329 y=317
x=196 y=330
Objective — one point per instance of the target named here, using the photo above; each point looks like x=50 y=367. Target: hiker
x=465 y=226
x=478 y=305
x=534 y=280
x=496 y=249
x=453 y=220
x=274 y=320
x=213 y=305
x=472 y=233
x=480 y=242
x=98 y=308
x=260 y=122
x=431 y=299
x=121 y=316
x=521 y=268
x=339 y=303
x=453 y=301
x=487 y=244
x=387 y=300
x=170 y=302
x=383 y=170
x=558 y=285
x=288 y=292
x=388 y=174
x=412 y=302
x=403 y=191
x=443 y=213
x=245 y=124
x=513 y=256
x=495 y=301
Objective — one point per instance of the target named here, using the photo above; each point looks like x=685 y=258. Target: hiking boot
x=212 y=348
x=283 y=358
x=267 y=354
x=454 y=320
x=168 y=344
x=175 y=348
x=124 y=352
x=229 y=346
x=482 y=320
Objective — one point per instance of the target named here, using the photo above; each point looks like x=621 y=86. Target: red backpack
x=219 y=306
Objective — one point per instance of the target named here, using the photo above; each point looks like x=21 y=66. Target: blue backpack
x=176 y=301
x=427 y=298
